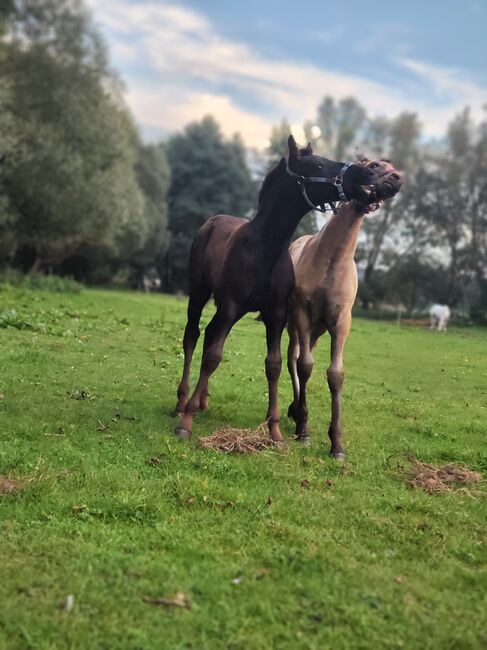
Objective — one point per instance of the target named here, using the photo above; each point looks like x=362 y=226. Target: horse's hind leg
x=215 y=335
x=197 y=300
x=304 y=368
x=292 y=358
x=335 y=375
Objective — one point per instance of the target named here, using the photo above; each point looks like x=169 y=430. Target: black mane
x=269 y=180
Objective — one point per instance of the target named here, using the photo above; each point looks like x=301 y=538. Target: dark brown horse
x=247 y=267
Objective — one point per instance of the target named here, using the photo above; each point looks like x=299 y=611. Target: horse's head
x=389 y=179
x=322 y=181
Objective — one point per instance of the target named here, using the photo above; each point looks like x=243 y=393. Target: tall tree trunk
x=377 y=242
x=453 y=273
x=37 y=265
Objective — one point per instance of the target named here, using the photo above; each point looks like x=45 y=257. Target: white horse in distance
x=439 y=316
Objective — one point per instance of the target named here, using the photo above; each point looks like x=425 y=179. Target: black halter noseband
x=337 y=181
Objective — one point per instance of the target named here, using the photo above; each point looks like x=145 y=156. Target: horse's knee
x=211 y=360
x=305 y=367
x=191 y=334
x=292 y=360
x=183 y=389
x=273 y=365
x=335 y=377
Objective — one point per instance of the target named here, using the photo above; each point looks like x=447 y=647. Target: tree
x=402 y=148
x=209 y=175
x=73 y=186
x=460 y=213
x=8 y=143
x=342 y=125
x=153 y=175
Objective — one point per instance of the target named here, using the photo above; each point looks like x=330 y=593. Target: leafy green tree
x=153 y=176
x=8 y=155
x=432 y=245
x=73 y=186
x=277 y=147
x=459 y=213
x=402 y=147
x=209 y=175
x=342 y=124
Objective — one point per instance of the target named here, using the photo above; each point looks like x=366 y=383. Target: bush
x=37 y=281
x=11 y=319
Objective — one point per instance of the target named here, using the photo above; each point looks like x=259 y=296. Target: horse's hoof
x=303 y=440
x=338 y=455
x=182 y=434
x=280 y=444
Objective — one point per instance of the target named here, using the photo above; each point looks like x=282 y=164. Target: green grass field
x=87 y=382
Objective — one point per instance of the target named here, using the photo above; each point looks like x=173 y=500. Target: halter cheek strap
x=337 y=181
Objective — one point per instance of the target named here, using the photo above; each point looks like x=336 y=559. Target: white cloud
x=194 y=70
x=162 y=115
x=450 y=84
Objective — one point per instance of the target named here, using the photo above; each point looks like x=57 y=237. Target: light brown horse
x=322 y=300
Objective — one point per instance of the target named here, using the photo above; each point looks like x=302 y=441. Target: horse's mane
x=269 y=180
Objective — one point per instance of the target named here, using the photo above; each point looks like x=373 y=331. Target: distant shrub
x=11 y=319
x=39 y=282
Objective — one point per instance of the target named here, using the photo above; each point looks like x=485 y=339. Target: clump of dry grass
x=452 y=477
x=10 y=485
x=238 y=441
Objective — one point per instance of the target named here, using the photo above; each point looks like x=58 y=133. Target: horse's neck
x=277 y=219
x=338 y=238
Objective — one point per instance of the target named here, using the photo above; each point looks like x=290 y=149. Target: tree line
x=82 y=195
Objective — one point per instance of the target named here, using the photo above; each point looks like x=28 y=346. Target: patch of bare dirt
x=415 y=322
x=238 y=441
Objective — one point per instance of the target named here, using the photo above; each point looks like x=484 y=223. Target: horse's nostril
x=396 y=177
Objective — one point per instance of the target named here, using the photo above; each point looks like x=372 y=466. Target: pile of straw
x=238 y=441
x=444 y=478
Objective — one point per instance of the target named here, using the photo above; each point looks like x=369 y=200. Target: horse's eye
x=374 y=165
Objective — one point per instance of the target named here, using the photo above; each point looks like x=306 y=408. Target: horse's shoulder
x=297 y=247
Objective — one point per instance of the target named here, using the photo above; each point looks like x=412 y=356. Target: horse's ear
x=308 y=150
x=293 y=148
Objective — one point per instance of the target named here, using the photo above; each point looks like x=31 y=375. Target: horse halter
x=337 y=181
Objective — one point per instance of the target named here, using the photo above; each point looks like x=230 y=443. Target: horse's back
x=210 y=248
x=440 y=311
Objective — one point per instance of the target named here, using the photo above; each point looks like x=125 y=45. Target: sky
x=252 y=63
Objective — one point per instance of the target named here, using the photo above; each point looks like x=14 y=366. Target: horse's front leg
x=335 y=376
x=215 y=335
x=275 y=321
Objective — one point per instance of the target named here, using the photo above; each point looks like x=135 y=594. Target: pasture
x=273 y=550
